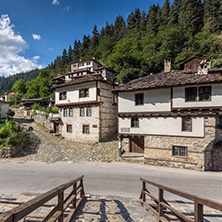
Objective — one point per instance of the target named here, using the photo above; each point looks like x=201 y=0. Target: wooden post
x=198 y=210
x=74 y=192
x=61 y=205
x=144 y=195
x=82 y=191
x=160 y=207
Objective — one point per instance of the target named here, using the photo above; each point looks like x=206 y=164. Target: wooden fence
x=73 y=200
x=161 y=204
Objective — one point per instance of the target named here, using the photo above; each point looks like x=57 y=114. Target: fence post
x=160 y=207
x=74 y=192
x=81 y=185
x=61 y=205
x=144 y=195
x=198 y=210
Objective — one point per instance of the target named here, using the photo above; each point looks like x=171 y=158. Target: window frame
x=82 y=109
x=88 y=109
x=182 y=151
x=61 y=94
x=210 y=93
x=65 y=112
x=186 y=126
x=134 y=122
x=85 y=129
x=139 y=101
x=83 y=93
x=198 y=95
x=186 y=94
x=70 y=112
x=67 y=127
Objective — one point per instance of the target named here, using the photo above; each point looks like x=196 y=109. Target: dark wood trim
x=67 y=128
x=84 y=95
x=171 y=98
x=162 y=135
x=83 y=128
x=67 y=105
x=97 y=89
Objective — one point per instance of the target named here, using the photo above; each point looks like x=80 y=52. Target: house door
x=56 y=127
x=137 y=144
x=28 y=112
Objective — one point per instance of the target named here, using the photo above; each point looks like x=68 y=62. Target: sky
x=34 y=32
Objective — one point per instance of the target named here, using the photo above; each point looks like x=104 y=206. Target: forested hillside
x=137 y=46
x=7 y=83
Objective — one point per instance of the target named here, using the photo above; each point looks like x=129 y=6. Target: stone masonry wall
x=77 y=123
x=158 y=149
x=108 y=112
x=45 y=121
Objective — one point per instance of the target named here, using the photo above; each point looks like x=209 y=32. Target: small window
x=139 y=100
x=82 y=111
x=85 y=129
x=65 y=112
x=187 y=124
x=135 y=122
x=62 y=96
x=191 y=94
x=69 y=128
x=88 y=112
x=83 y=93
x=179 y=151
x=71 y=112
x=205 y=93
x=88 y=63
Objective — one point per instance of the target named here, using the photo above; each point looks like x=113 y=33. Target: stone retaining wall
x=45 y=121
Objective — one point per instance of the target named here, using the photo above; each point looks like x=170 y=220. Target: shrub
x=8 y=129
x=11 y=112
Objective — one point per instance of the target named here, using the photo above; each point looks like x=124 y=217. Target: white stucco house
x=174 y=118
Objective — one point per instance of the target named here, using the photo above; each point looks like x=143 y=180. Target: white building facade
x=173 y=118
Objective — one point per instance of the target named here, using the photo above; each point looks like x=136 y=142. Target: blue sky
x=34 y=32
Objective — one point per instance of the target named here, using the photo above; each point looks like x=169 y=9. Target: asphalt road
x=118 y=179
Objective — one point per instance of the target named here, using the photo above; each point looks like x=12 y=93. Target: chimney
x=167 y=65
x=204 y=66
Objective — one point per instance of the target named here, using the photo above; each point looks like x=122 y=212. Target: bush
x=8 y=129
x=11 y=112
x=35 y=106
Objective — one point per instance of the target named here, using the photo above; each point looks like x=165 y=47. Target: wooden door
x=28 y=112
x=137 y=144
x=56 y=127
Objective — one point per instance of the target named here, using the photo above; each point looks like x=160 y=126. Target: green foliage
x=14 y=100
x=8 y=129
x=217 y=63
x=19 y=87
x=11 y=112
x=35 y=106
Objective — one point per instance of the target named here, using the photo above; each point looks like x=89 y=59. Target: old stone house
x=87 y=107
x=173 y=117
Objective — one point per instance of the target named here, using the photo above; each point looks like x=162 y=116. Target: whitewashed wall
x=163 y=126
x=73 y=93
x=154 y=100
x=179 y=98
x=4 y=109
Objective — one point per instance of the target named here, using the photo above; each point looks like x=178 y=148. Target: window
x=83 y=93
x=205 y=93
x=139 y=99
x=85 y=129
x=65 y=112
x=69 y=128
x=186 y=124
x=202 y=93
x=135 y=122
x=179 y=151
x=88 y=112
x=191 y=94
x=62 y=95
x=71 y=112
x=88 y=63
x=82 y=112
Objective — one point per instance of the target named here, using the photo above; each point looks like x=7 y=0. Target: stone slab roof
x=173 y=78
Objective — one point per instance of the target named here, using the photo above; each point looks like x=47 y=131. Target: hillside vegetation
x=137 y=46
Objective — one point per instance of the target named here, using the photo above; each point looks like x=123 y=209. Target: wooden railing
x=161 y=204
x=73 y=200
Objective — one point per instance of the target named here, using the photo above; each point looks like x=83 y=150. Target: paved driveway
x=119 y=179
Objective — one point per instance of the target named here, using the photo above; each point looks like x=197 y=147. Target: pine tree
x=64 y=60
x=69 y=57
x=119 y=28
x=76 y=51
x=95 y=39
x=84 y=46
x=191 y=15
x=165 y=11
x=174 y=13
x=152 y=23
x=143 y=22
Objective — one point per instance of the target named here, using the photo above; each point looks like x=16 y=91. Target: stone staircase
x=132 y=157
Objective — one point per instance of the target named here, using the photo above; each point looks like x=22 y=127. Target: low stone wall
x=217 y=159
x=19 y=111
x=45 y=121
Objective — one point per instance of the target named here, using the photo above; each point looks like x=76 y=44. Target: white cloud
x=35 y=58
x=50 y=49
x=36 y=37
x=11 y=45
x=66 y=9
x=55 y=2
